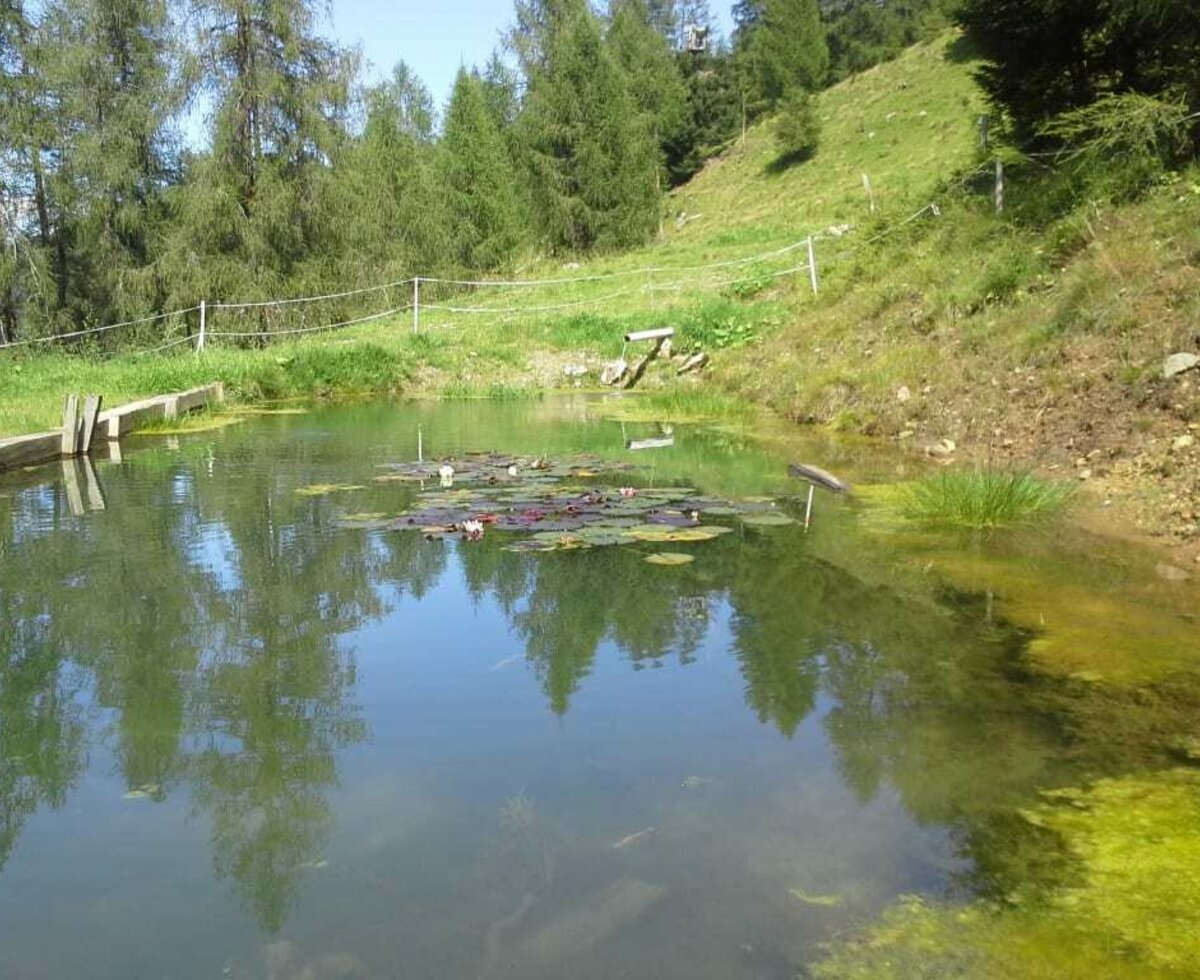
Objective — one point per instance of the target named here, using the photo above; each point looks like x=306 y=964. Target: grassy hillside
x=1035 y=337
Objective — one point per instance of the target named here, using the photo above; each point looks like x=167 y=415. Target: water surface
x=237 y=739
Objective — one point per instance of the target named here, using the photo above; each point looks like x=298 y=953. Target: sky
x=435 y=37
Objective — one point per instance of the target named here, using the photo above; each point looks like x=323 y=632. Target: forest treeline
x=155 y=152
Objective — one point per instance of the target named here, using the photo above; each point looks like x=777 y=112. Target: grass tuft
x=984 y=499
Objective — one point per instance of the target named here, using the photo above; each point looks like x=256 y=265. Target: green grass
x=983 y=499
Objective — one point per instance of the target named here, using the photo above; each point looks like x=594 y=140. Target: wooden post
x=808 y=509
x=70 y=426
x=420 y=446
x=91 y=409
x=416 y=304
x=870 y=192
x=812 y=266
x=203 y=327
x=999 y=196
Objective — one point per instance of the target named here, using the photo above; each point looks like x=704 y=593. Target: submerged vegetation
x=983 y=499
x=1123 y=900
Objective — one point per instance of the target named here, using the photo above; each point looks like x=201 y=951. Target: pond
x=246 y=732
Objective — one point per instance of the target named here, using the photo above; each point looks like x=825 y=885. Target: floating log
x=818 y=477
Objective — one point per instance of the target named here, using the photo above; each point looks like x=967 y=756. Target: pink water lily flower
x=472 y=530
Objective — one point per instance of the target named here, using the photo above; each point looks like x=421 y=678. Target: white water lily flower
x=472 y=530
x=628 y=491
x=446 y=472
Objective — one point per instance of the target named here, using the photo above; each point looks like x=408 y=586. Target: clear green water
x=239 y=740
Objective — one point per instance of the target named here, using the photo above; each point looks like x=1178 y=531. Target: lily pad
x=767 y=520
x=668 y=558
x=660 y=533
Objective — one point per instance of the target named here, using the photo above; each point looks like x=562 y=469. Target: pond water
x=238 y=738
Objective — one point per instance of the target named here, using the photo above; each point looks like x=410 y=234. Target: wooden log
x=636 y=372
x=70 y=426
x=659 y=333
x=819 y=477
x=693 y=363
x=91 y=411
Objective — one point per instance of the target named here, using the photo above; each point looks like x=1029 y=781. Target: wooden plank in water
x=91 y=411
x=819 y=477
x=70 y=426
x=41 y=447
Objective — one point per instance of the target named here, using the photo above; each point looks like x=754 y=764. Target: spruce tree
x=652 y=74
x=477 y=177
x=783 y=47
x=592 y=156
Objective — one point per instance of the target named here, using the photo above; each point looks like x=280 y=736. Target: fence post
x=416 y=304
x=812 y=265
x=999 y=196
x=200 y=335
x=870 y=192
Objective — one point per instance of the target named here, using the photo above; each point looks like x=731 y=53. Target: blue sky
x=435 y=37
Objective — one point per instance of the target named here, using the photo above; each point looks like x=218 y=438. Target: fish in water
x=506 y=662
x=632 y=839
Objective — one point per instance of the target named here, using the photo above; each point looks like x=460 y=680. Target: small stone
x=906 y=434
x=613 y=372
x=1178 y=363
x=903 y=394
x=1085 y=474
x=575 y=370
x=1183 y=442
x=1170 y=573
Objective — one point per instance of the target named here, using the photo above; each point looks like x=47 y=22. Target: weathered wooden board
x=30 y=450
x=659 y=333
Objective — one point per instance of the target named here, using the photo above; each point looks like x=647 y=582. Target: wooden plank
x=70 y=426
x=41 y=447
x=91 y=411
x=70 y=473
x=91 y=483
x=661 y=333
x=819 y=477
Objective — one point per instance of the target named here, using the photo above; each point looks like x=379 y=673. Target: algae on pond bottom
x=1131 y=911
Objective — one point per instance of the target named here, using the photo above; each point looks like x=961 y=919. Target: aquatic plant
x=983 y=498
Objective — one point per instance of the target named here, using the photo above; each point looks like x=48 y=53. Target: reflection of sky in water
x=335 y=720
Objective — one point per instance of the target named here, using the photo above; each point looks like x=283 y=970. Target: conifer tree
x=478 y=179
x=651 y=72
x=246 y=217
x=591 y=153
x=783 y=47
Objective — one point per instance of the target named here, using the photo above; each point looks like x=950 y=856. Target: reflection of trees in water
x=208 y=617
